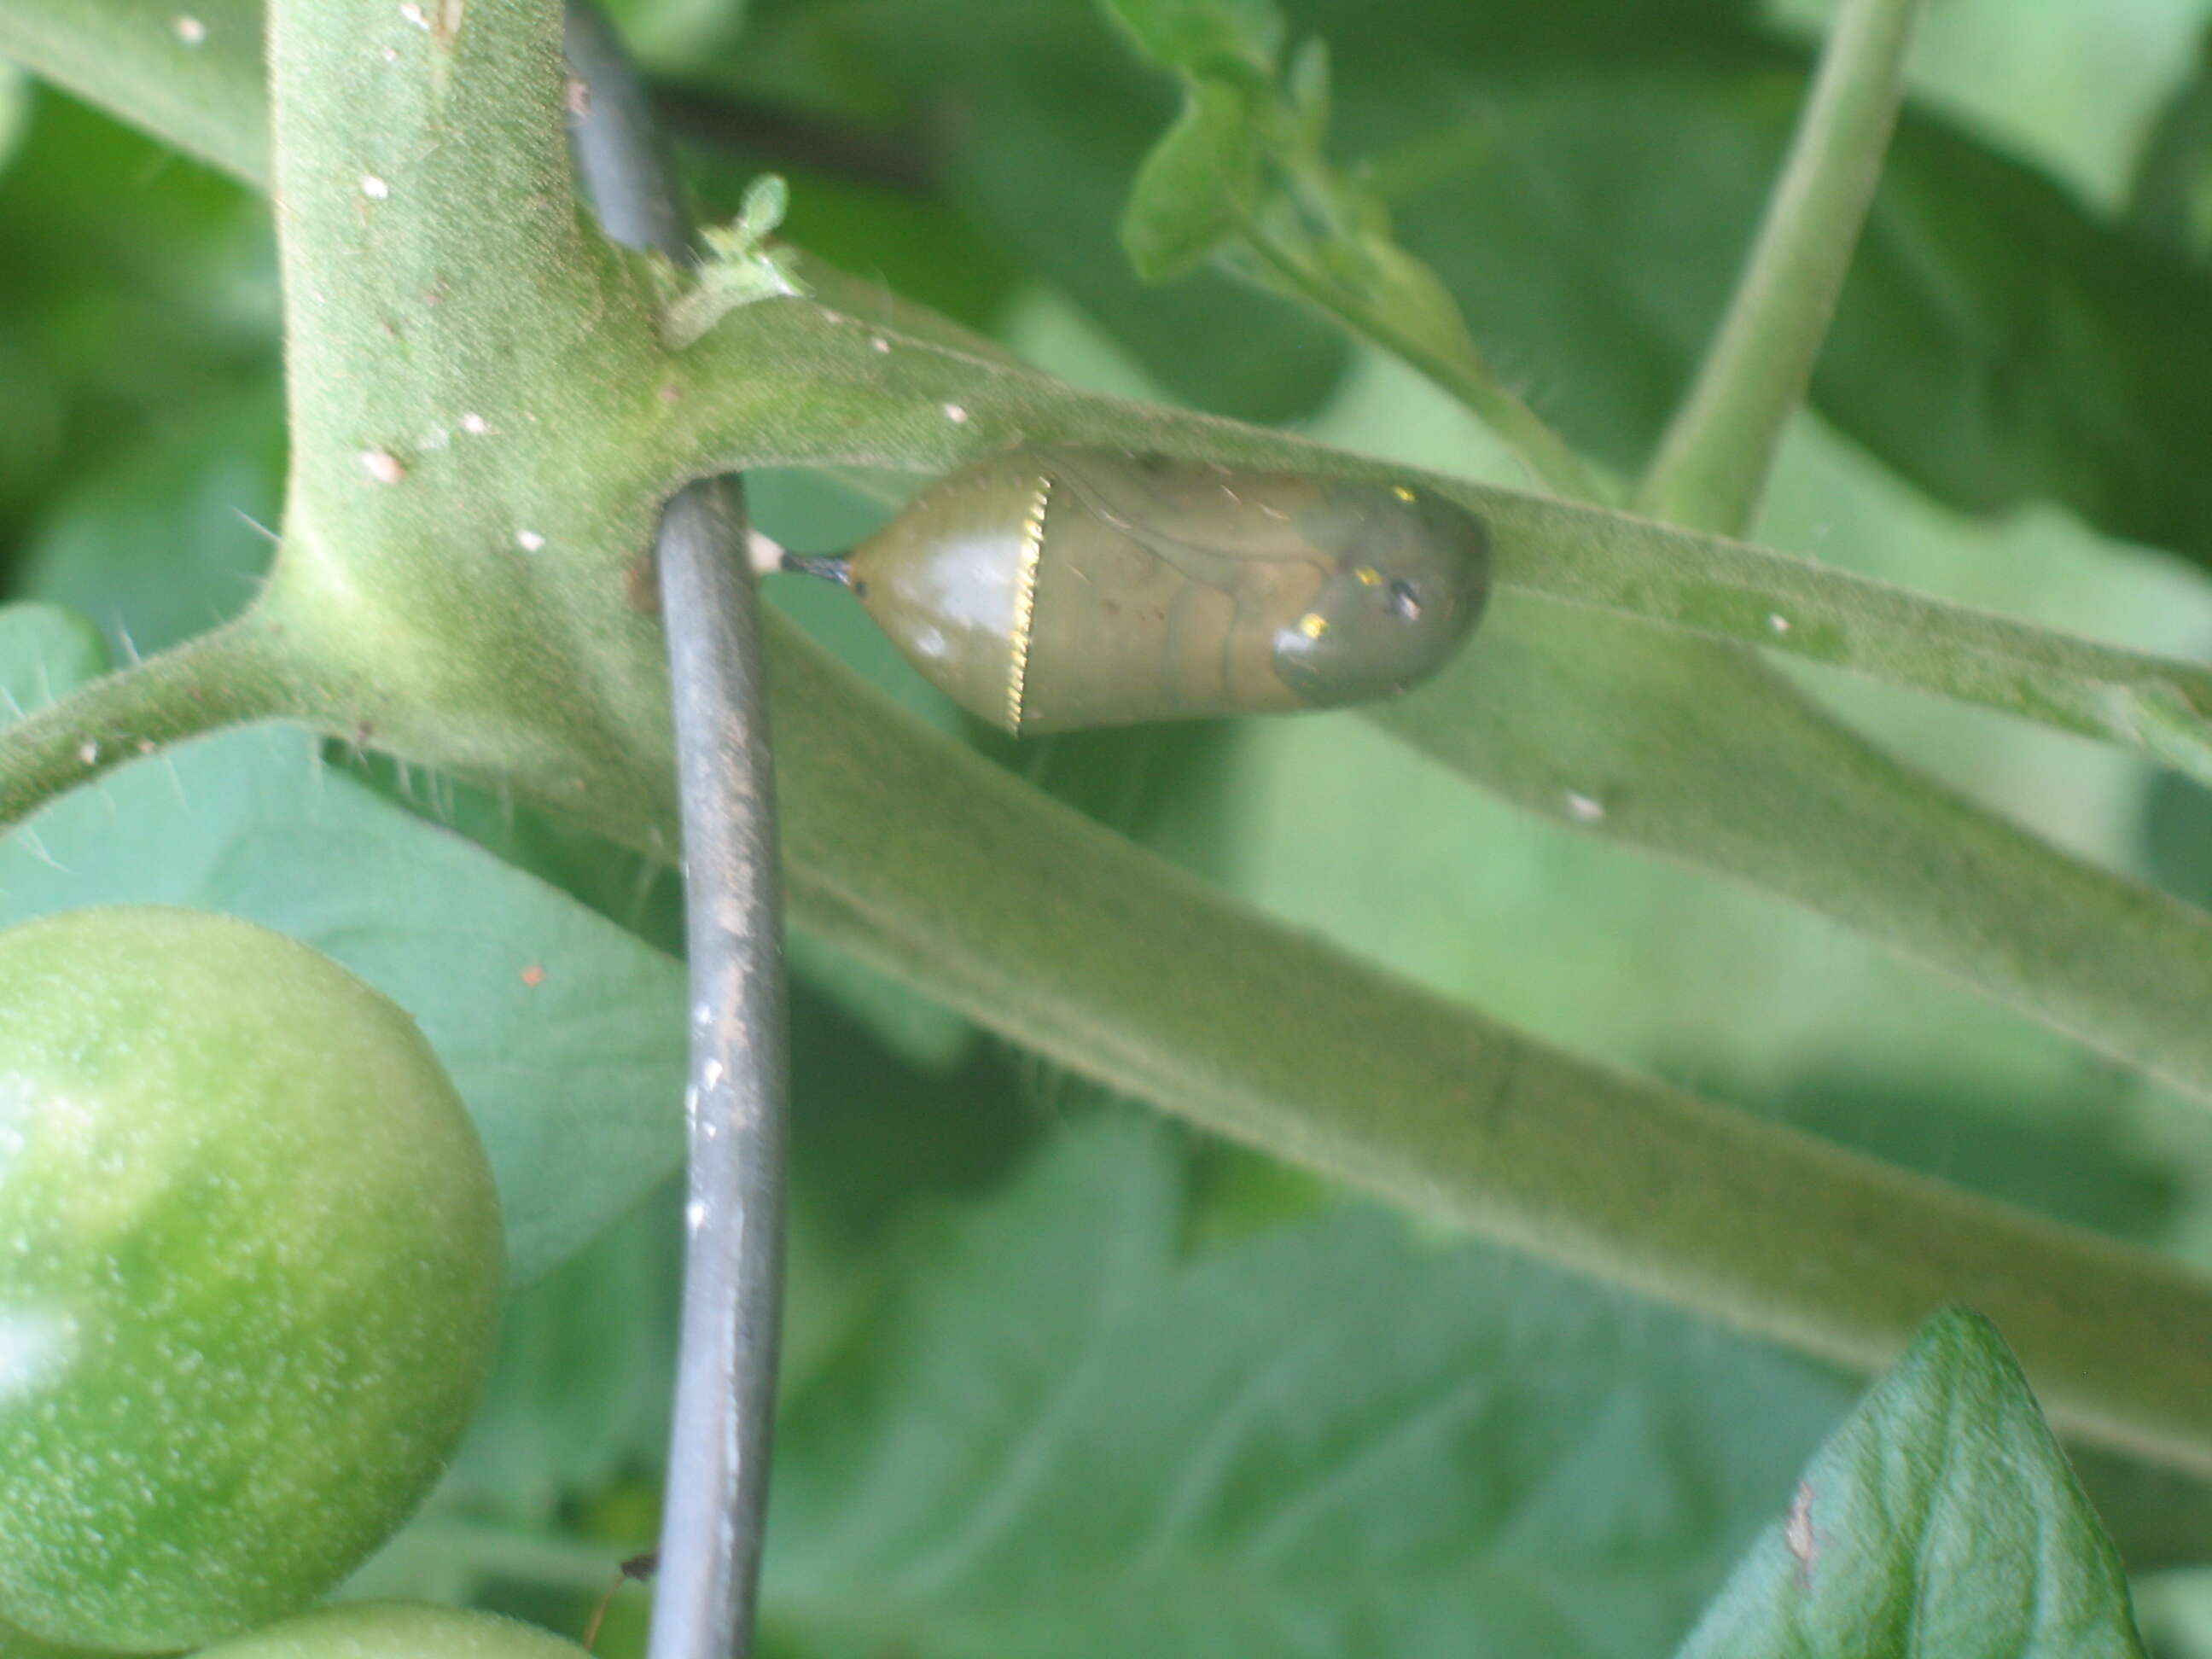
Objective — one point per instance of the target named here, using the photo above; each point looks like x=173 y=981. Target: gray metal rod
x=714 y=1514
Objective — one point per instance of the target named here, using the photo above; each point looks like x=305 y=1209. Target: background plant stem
x=1712 y=464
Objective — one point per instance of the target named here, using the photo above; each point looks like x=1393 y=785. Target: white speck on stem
x=711 y=1073
x=475 y=425
x=879 y=342
x=374 y=188
x=1778 y=622
x=89 y=751
x=382 y=466
x=1584 y=809
x=954 y=413
x=695 y=1215
x=191 y=31
x=414 y=14
x=529 y=541
x=1797 y=1532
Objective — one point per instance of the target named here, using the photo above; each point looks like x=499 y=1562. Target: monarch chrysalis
x=1048 y=590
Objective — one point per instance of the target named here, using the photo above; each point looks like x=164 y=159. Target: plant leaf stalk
x=231 y=676
x=1713 y=462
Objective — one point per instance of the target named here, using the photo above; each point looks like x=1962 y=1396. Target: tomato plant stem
x=231 y=676
x=1712 y=464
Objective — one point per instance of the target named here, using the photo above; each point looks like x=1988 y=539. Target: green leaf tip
x=1231 y=39
x=740 y=268
x=1243 y=179
x=1941 y=1517
x=1198 y=186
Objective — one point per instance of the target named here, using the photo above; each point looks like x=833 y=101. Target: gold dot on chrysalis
x=1368 y=576
x=1313 y=625
x=1403 y=494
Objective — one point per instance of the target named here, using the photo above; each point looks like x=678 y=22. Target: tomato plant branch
x=231 y=676
x=1712 y=463
x=848 y=405
x=862 y=410
x=931 y=863
x=934 y=864
x=1634 y=566
x=1706 y=756
x=714 y=1515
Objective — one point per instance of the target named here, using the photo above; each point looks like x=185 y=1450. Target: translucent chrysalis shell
x=1050 y=590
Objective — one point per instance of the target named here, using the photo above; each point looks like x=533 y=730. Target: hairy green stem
x=235 y=675
x=1713 y=461
x=1706 y=756
x=1633 y=566
x=1043 y=925
x=930 y=862
x=1585 y=555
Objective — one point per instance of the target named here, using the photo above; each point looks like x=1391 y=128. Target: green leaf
x=1996 y=343
x=120 y=333
x=563 y=1033
x=187 y=58
x=2170 y=200
x=1942 y=1518
x=580 y=1393
x=739 y=269
x=1063 y=1435
x=1306 y=90
x=2176 y=833
x=673 y=32
x=1049 y=175
x=45 y=653
x=1235 y=38
x=1200 y=181
x=165 y=539
x=14 y=108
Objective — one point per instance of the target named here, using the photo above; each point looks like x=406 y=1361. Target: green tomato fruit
x=392 y=1630
x=250 y=1272
x=14 y=1644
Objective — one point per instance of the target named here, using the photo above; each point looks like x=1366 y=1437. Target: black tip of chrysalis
x=830 y=566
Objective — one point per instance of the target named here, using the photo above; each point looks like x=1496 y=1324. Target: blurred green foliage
x=1056 y=1384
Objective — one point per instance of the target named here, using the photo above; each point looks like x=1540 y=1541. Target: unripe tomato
x=392 y=1630
x=14 y=1644
x=250 y=1268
